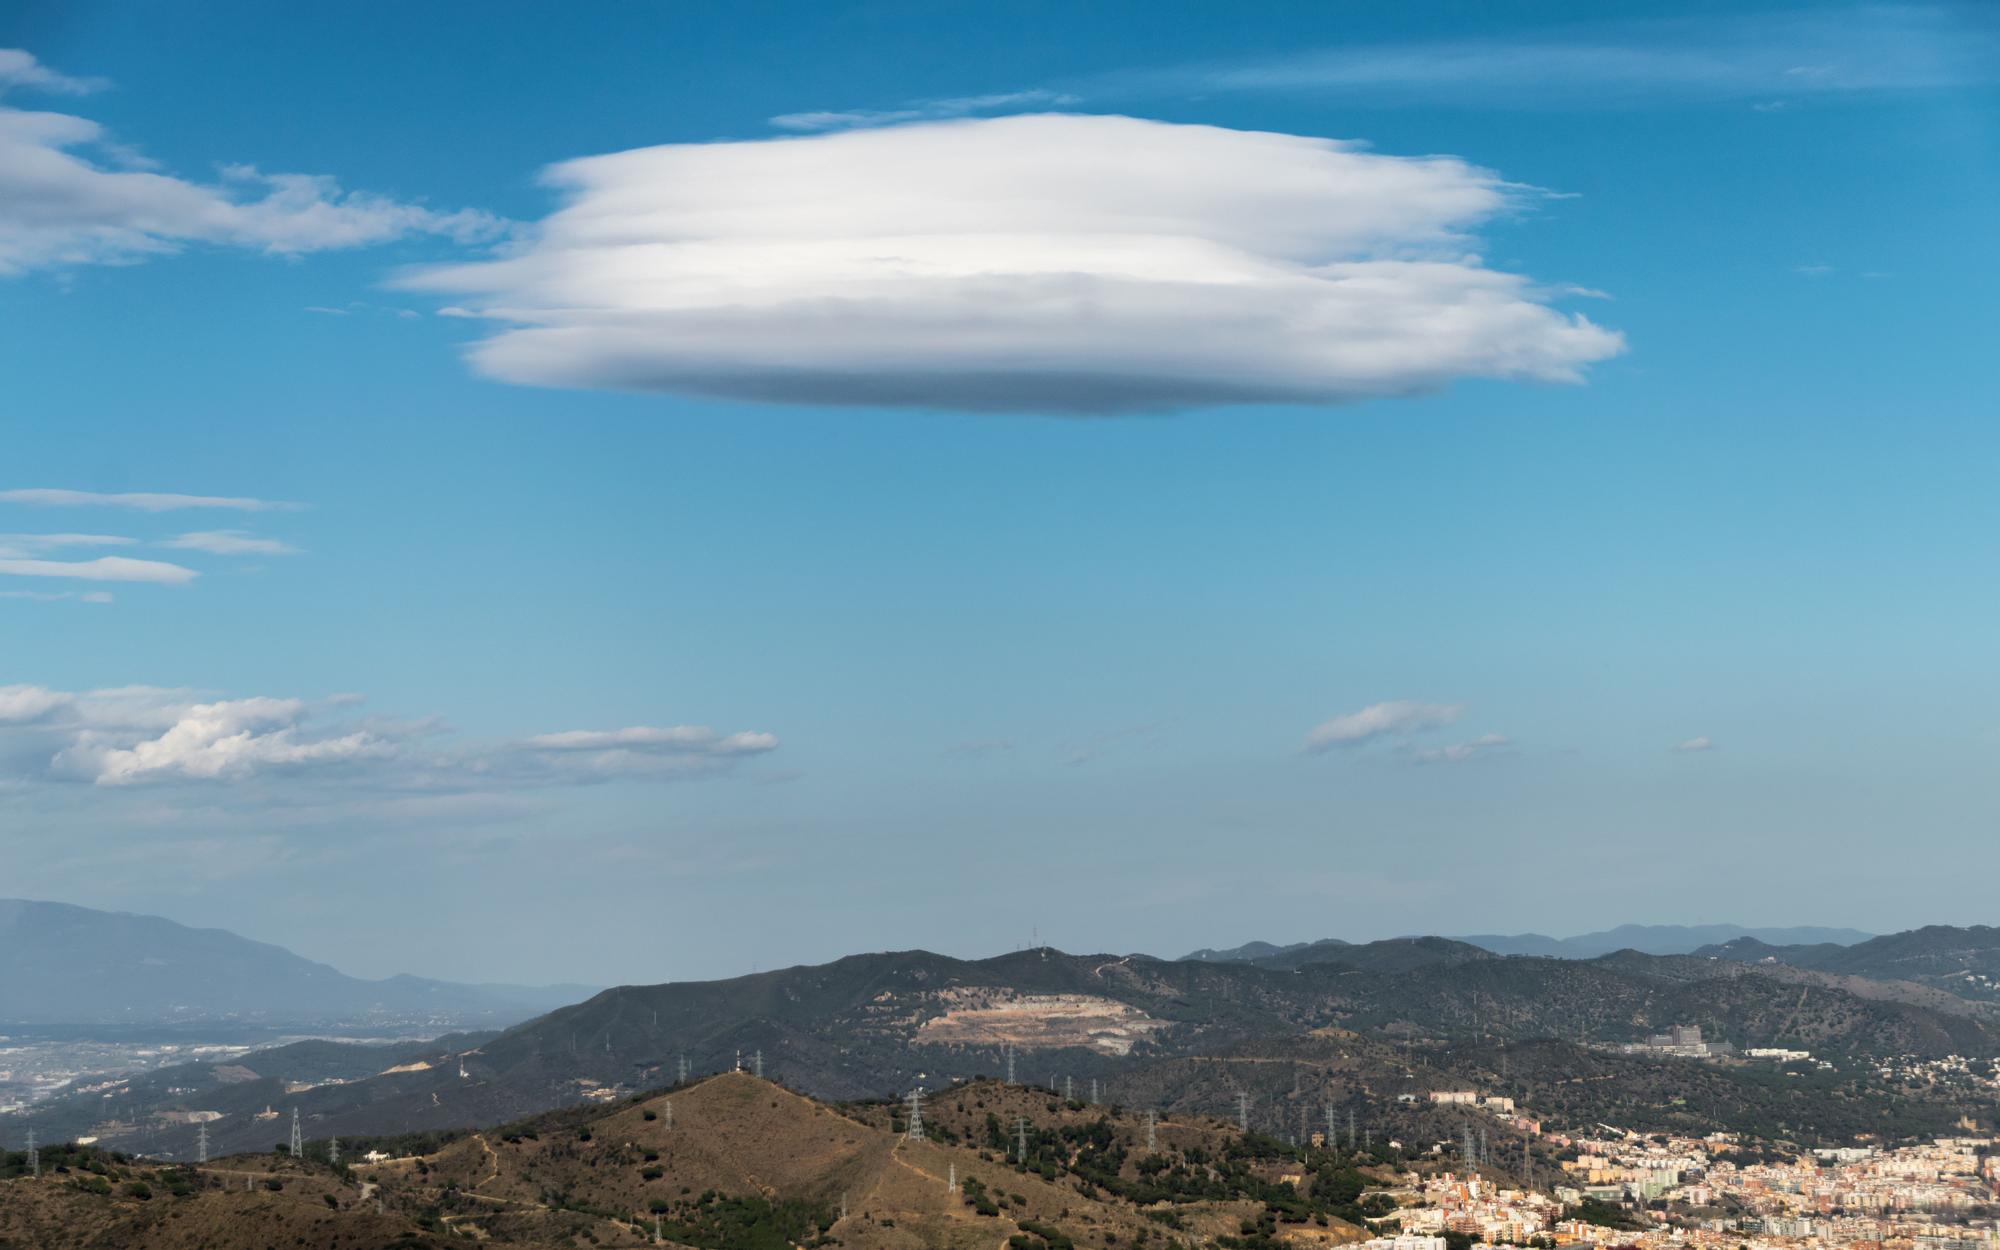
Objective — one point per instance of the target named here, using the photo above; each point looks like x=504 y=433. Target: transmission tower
x=1069 y=1089
x=1332 y=1135
x=951 y=1180
x=1020 y=1139
x=1243 y=1110
x=1485 y=1155
x=34 y=1156
x=1350 y=1128
x=757 y=1064
x=916 y=1101
x=684 y=1068
x=667 y=1113
x=298 y=1141
x=1093 y=1089
x=333 y=1150
x=1470 y=1159
x=201 y=1144
x=1152 y=1132
x=1009 y=1054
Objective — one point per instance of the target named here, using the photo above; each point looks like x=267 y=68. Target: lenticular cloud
x=1048 y=263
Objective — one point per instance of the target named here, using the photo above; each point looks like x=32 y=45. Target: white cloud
x=637 y=752
x=54 y=596
x=1701 y=743
x=213 y=741
x=69 y=196
x=141 y=501
x=35 y=544
x=102 y=569
x=925 y=110
x=677 y=739
x=21 y=69
x=230 y=543
x=143 y=734
x=1459 y=752
x=21 y=704
x=1834 y=49
x=1048 y=263
x=1397 y=718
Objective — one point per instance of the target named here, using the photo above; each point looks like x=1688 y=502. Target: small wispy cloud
x=1459 y=752
x=1701 y=743
x=1813 y=270
x=925 y=110
x=57 y=596
x=682 y=739
x=71 y=195
x=1396 y=718
x=102 y=569
x=20 y=69
x=34 y=544
x=140 y=501
x=1767 y=56
x=230 y=543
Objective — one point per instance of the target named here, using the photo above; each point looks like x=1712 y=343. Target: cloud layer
x=1046 y=263
x=136 y=735
x=70 y=196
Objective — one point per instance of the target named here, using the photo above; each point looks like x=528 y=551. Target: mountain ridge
x=65 y=964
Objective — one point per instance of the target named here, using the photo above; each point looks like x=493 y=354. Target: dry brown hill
x=733 y=1162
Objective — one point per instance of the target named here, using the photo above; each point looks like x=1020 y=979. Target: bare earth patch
x=980 y=1016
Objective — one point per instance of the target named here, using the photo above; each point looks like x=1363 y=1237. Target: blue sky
x=1681 y=615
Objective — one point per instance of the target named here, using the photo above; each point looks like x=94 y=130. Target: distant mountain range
x=72 y=965
x=1176 y=1035
x=1963 y=961
x=1647 y=939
